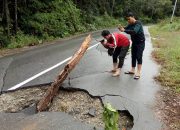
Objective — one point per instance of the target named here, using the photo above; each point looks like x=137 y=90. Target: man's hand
x=104 y=44
x=121 y=28
x=102 y=41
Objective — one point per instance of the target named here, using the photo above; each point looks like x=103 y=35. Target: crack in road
x=119 y=96
x=4 y=75
x=69 y=83
x=112 y=95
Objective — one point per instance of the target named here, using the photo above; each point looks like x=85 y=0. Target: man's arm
x=133 y=31
x=129 y=30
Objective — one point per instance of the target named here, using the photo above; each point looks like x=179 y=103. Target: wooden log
x=53 y=89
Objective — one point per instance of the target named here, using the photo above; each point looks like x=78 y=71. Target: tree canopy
x=60 y=18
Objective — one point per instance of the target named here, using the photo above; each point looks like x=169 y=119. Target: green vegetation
x=110 y=117
x=40 y=20
x=166 y=38
x=21 y=40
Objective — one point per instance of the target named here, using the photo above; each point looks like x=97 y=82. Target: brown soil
x=6 y=52
x=20 y=99
x=78 y=104
x=168 y=108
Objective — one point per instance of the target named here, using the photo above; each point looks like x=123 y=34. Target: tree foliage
x=60 y=18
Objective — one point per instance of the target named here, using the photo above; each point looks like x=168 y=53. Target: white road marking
x=45 y=71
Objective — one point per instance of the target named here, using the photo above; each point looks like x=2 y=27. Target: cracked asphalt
x=91 y=74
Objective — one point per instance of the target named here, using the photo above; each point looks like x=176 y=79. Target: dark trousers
x=121 y=53
x=137 y=53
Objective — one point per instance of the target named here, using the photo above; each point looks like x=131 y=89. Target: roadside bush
x=105 y=21
x=4 y=41
x=62 y=21
x=21 y=40
x=146 y=20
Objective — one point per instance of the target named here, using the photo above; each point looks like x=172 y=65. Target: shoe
x=129 y=72
x=136 y=77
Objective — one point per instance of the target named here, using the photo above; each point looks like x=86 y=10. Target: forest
x=23 y=22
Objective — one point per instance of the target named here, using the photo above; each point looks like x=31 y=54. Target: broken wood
x=53 y=89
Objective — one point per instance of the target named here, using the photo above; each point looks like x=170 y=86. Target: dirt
x=168 y=108
x=6 y=52
x=79 y=104
x=20 y=99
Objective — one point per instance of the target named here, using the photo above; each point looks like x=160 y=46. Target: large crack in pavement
x=124 y=111
x=3 y=71
x=4 y=76
x=85 y=107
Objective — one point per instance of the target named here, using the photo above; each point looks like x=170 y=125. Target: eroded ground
x=168 y=108
x=79 y=104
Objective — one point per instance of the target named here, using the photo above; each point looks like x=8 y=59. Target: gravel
x=79 y=104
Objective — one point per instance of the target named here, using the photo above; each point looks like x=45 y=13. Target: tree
x=6 y=17
x=15 y=17
x=112 y=7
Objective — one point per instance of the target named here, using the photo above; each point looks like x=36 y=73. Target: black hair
x=105 y=33
x=130 y=14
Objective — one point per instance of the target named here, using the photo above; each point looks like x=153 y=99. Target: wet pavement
x=91 y=74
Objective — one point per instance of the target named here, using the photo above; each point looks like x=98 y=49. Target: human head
x=106 y=34
x=130 y=18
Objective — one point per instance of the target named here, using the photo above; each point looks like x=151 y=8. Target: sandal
x=129 y=72
x=136 y=77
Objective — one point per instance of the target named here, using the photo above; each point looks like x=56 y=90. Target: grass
x=22 y=40
x=166 y=40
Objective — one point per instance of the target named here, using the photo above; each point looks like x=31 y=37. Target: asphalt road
x=16 y=69
x=124 y=93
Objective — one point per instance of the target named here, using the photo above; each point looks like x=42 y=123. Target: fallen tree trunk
x=53 y=89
